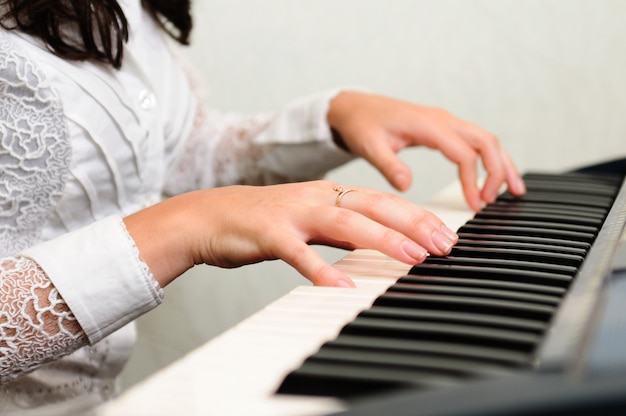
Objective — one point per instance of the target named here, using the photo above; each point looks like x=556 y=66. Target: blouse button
x=147 y=100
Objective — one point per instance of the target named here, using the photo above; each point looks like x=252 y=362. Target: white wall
x=547 y=76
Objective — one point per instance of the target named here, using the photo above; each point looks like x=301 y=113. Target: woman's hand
x=376 y=128
x=237 y=225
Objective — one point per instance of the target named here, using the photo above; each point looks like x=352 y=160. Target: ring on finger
x=341 y=193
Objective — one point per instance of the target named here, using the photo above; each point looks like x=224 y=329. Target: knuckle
x=417 y=220
x=343 y=217
x=389 y=237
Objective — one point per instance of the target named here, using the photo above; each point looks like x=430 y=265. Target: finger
x=410 y=220
x=383 y=158
x=487 y=147
x=514 y=181
x=497 y=162
x=456 y=149
x=310 y=264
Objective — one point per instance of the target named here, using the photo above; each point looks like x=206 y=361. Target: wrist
x=160 y=236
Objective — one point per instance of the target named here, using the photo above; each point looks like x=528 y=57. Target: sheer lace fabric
x=36 y=325
x=34 y=149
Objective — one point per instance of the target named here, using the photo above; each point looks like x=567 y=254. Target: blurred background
x=548 y=77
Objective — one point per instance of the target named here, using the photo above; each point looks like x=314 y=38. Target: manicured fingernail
x=443 y=240
x=342 y=282
x=415 y=251
x=449 y=233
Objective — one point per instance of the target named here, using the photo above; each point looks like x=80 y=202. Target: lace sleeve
x=294 y=144
x=36 y=325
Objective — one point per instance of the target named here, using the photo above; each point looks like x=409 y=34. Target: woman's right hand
x=237 y=225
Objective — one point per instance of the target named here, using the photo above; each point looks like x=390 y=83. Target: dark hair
x=91 y=29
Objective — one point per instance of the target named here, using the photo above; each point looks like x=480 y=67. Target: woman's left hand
x=376 y=128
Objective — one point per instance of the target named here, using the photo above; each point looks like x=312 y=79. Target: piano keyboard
x=504 y=317
x=482 y=311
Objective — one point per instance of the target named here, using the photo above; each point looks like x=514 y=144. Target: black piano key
x=535 y=256
x=466 y=305
x=487 y=222
x=492 y=273
x=525 y=239
x=571 y=187
x=573 y=177
x=531 y=246
x=349 y=380
x=500 y=263
x=482 y=283
x=571 y=199
x=442 y=349
x=425 y=315
x=455 y=367
x=476 y=293
x=540 y=218
x=456 y=333
x=541 y=209
x=536 y=206
x=534 y=232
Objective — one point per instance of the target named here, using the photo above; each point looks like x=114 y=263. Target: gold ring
x=341 y=193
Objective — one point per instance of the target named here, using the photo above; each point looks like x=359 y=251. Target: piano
x=527 y=315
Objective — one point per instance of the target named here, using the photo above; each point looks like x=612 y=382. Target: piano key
x=388 y=312
x=501 y=263
x=347 y=380
x=481 y=283
x=571 y=187
x=572 y=199
x=476 y=292
x=456 y=367
x=535 y=256
x=540 y=217
x=535 y=206
x=513 y=209
x=534 y=232
x=573 y=177
x=478 y=353
x=525 y=239
x=464 y=304
x=531 y=245
x=592 y=230
x=462 y=334
x=493 y=273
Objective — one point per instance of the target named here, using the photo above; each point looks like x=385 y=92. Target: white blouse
x=81 y=146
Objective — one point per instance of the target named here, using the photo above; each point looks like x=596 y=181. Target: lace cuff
x=99 y=273
x=36 y=325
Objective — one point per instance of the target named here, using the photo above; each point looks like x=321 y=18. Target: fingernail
x=401 y=181
x=342 y=282
x=443 y=240
x=449 y=233
x=490 y=197
x=415 y=251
